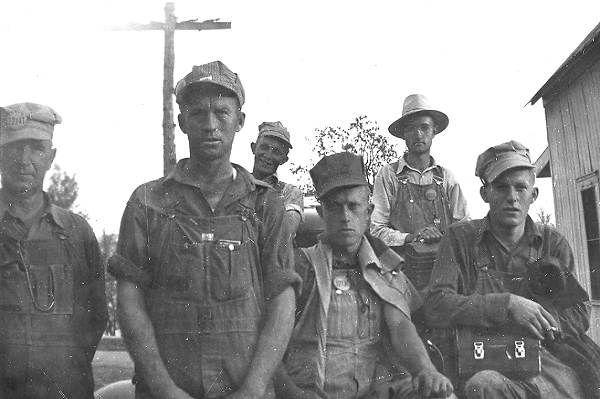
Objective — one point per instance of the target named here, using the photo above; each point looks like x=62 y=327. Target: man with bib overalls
x=505 y=273
x=353 y=316
x=52 y=299
x=204 y=269
x=416 y=199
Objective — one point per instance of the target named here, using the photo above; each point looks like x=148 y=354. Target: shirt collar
x=532 y=230
x=51 y=211
x=403 y=164
x=273 y=180
x=178 y=173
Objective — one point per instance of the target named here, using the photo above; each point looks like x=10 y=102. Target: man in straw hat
x=52 y=301
x=416 y=199
x=353 y=295
x=507 y=273
x=204 y=268
x=270 y=151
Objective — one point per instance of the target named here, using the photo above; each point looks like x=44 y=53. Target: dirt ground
x=111 y=366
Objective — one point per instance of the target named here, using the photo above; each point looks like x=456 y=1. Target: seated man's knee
x=485 y=381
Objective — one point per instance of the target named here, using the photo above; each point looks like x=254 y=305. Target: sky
x=309 y=64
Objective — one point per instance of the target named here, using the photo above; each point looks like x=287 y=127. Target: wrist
x=409 y=238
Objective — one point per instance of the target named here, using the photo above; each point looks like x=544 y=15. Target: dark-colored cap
x=215 y=73
x=343 y=169
x=274 y=129
x=27 y=121
x=418 y=104
x=498 y=159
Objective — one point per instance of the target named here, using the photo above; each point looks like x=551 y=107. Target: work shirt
x=475 y=274
x=386 y=190
x=205 y=274
x=337 y=346
x=293 y=199
x=52 y=305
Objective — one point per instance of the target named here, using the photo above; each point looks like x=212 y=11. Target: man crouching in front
x=353 y=298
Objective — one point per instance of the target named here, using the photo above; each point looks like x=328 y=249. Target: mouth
x=511 y=210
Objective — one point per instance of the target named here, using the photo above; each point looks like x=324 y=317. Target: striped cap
x=215 y=73
x=27 y=121
x=275 y=129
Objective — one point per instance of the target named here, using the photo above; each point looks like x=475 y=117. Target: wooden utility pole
x=169 y=27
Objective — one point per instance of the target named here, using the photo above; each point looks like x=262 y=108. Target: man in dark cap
x=353 y=297
x=270 y=151
x=415 y=198
x=204 y=270
x=486 y=276
x=52 y=301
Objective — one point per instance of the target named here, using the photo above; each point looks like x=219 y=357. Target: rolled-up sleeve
x=456 y=197
x=130 y=261
x=276 y=250
x=446 y=303
x=293 y=200
x=384 y=194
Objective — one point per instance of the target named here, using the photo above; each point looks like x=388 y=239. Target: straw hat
x=414 y=104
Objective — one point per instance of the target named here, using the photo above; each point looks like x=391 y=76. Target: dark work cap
x=27 y=121
x=215 y=73
x=343 y=169
x=274 y=129
x=498 y=159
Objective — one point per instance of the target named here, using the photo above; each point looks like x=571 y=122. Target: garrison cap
x=27 y=121
x=498 y=159
x=343 y=169
x=274 y=129
x=215 y=73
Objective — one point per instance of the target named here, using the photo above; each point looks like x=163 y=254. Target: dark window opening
x=590 y=214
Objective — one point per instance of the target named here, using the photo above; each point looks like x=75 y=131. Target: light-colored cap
x=498 y=159
x=415 y=104
x=27 y=121
x=215 y=73
x=274 y=129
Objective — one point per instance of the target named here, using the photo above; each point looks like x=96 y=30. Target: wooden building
x=571 y=99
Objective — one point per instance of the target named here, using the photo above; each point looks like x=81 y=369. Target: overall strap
x=438 y=178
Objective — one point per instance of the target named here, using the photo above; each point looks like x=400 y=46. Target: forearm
x=272 y=343
x=407 y=344
x=293 y=219
x=139 y=337
x=388 y=235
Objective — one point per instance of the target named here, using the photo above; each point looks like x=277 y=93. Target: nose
x=513 y=195
x=210 y=123
x=345 y=214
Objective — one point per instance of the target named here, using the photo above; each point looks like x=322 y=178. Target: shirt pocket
x=230 y=270
x=12 y=288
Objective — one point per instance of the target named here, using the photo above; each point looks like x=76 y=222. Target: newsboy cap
x=343 y=169
x=498 y=159
x=27 y=121
x=275 y=129
x=215 y=73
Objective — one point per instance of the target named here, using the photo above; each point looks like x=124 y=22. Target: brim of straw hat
x=440 y=119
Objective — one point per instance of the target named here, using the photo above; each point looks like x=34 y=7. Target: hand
x=431 y=383
x=532 y=316
x=428 y=234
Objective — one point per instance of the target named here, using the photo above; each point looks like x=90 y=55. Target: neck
x=345 y=253
x=418 y=161
x=207 y=171
x=23 y=206
x=259 y=175
x=508 y=235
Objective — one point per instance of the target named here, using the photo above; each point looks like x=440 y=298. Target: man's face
x=347 y=214
x=510 y=196
x=210 y=121
x=418 y=133
x=269 y=152
x=23 y=165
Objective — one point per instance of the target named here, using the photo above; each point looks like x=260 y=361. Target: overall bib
x=206 y=300
x=43 y=353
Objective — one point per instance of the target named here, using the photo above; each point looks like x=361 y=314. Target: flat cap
x=498 y=159
x=274 y=129
x=27 y=121
x=343 y=169
x=215 y=73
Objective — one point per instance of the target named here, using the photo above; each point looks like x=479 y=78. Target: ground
x=111 y=366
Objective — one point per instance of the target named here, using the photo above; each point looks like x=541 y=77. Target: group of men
x=214 y=301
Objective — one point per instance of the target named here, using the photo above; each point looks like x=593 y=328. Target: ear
x=241 y=120
x=52 y=156
x=285 y=159
x=534 y=194
x=253 y=147
x=319 y=209
x=181 y=121
x=370 y=209
x=483 y=193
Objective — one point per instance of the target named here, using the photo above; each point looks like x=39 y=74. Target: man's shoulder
x=467 y=229
x=70 y=221
x=154 y=189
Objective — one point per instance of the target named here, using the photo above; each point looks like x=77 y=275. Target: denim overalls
x=43 y=351
x=205 y=299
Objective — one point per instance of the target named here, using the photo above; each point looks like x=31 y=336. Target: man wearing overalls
x=416 y=199
x=204 y=270
x=52 y=299
x=353 y=302
x=486 y=276
x=271 y=151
